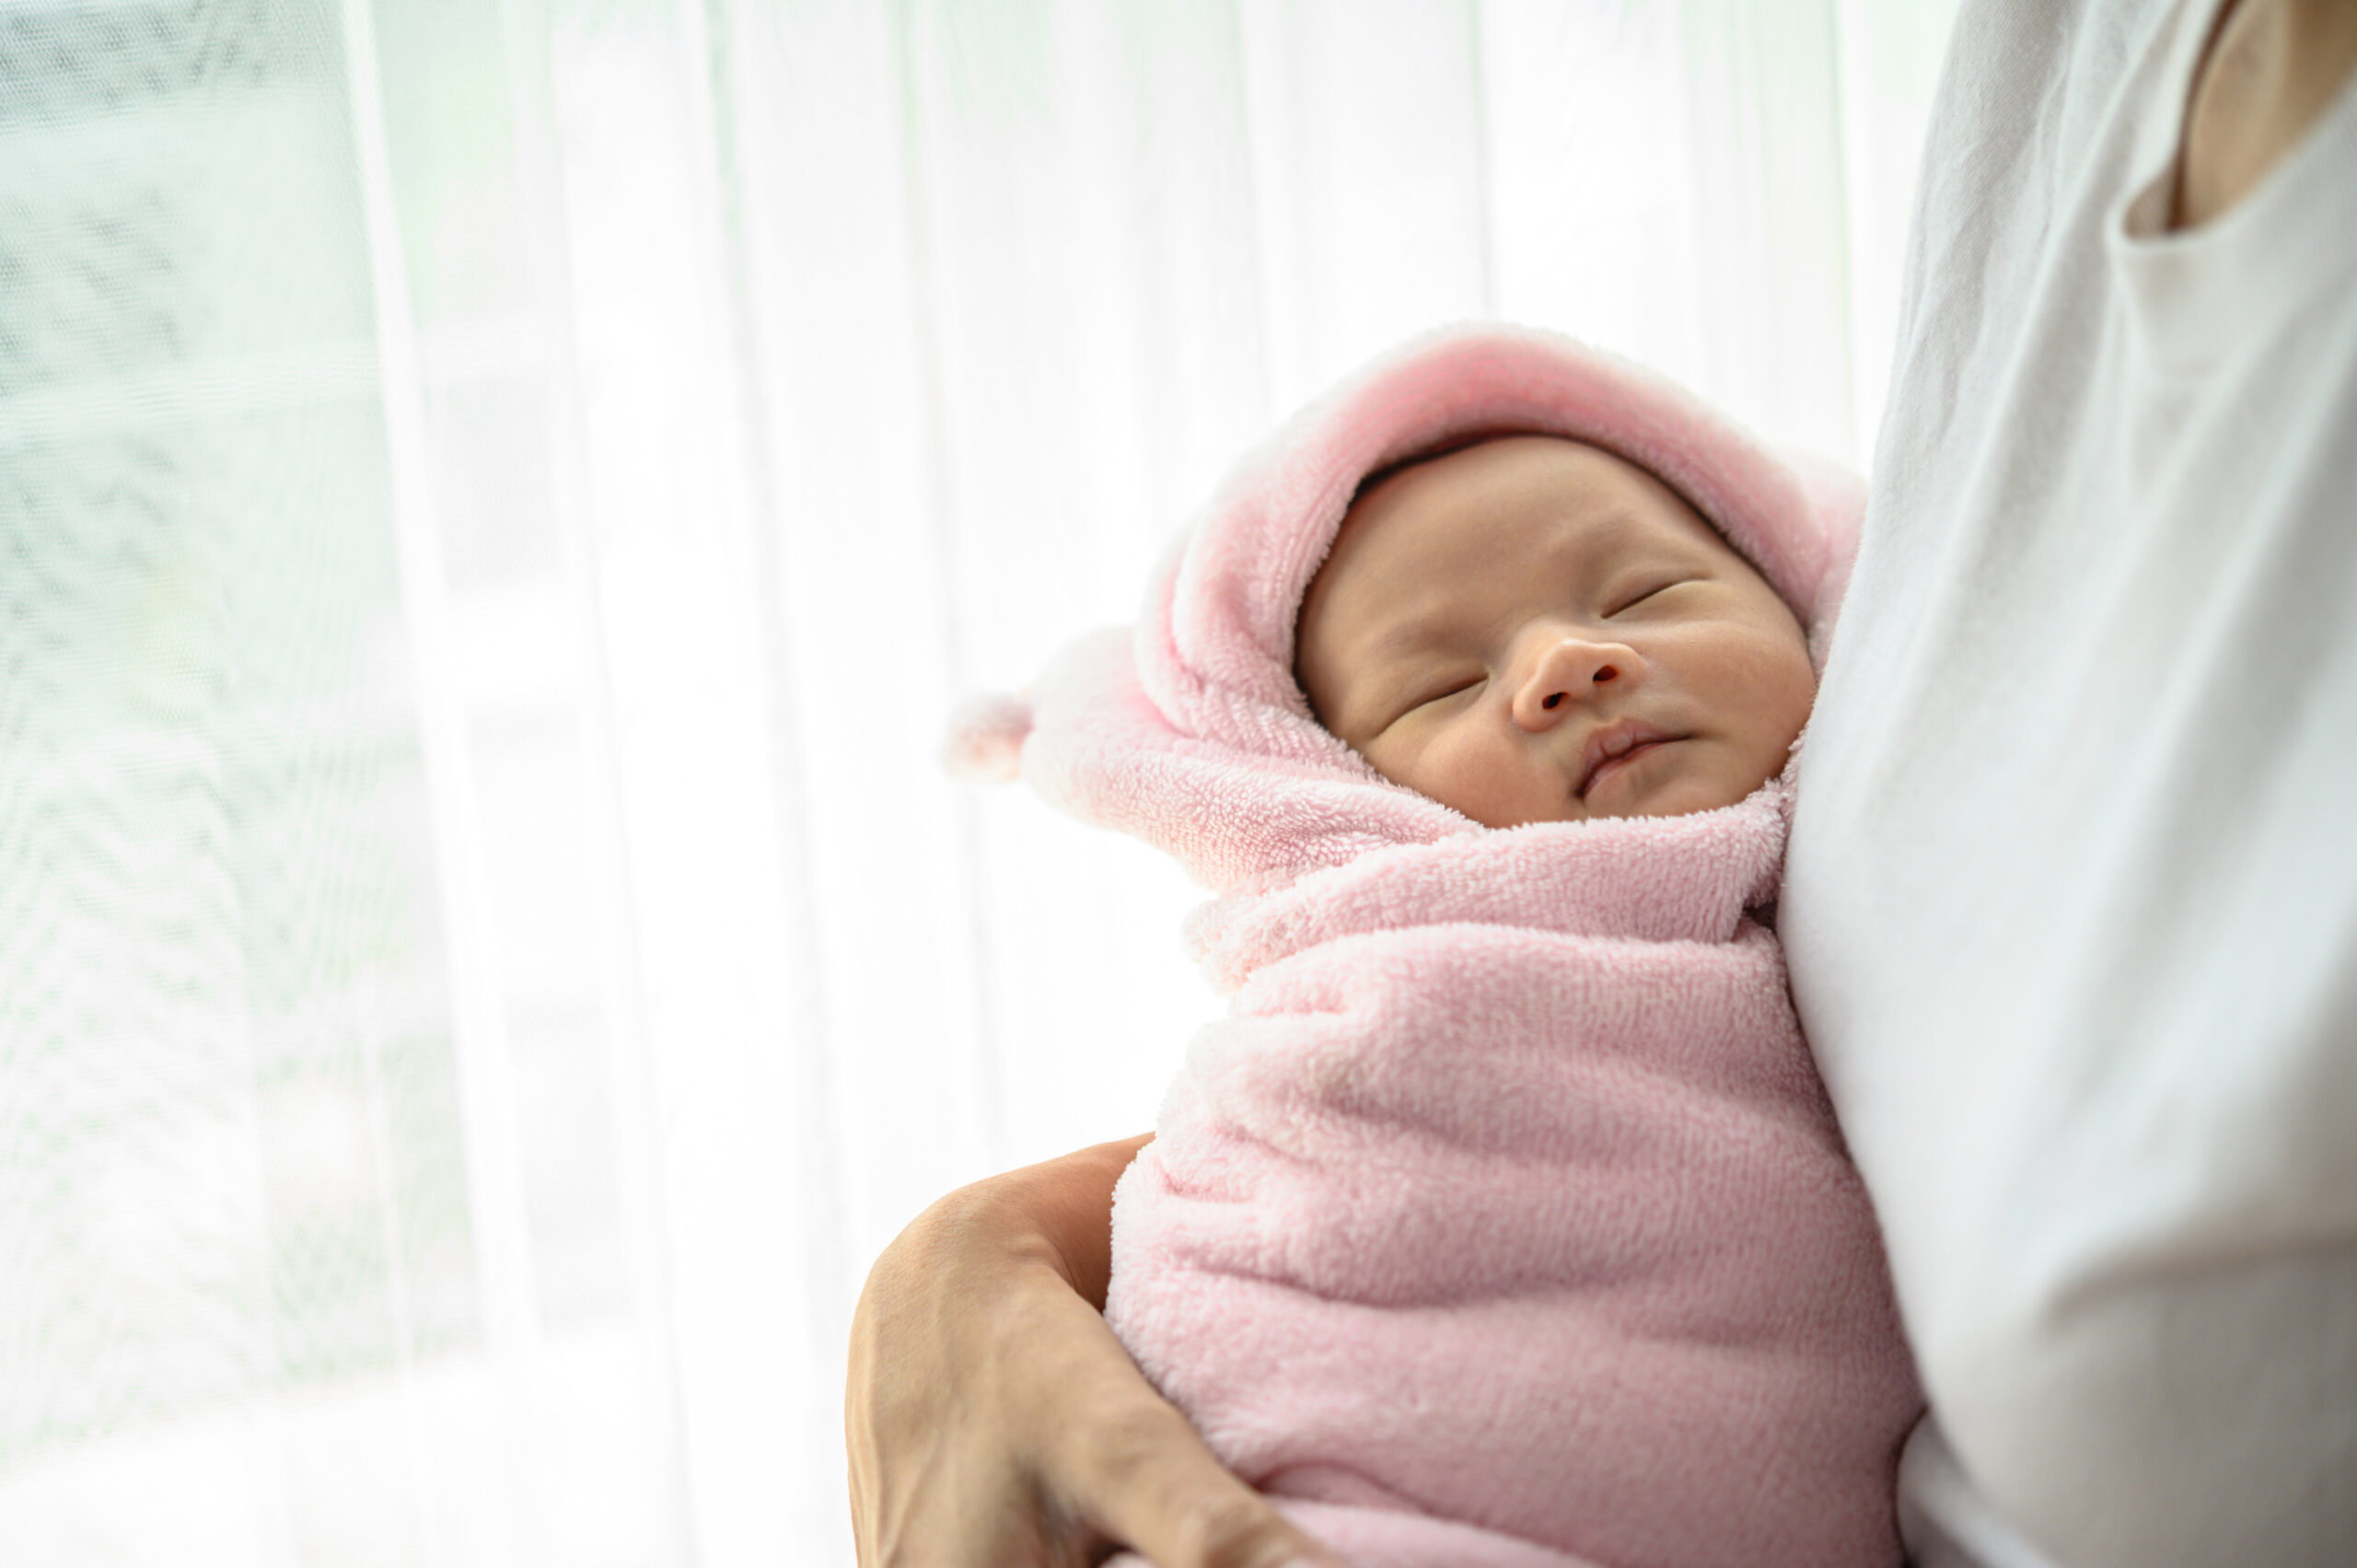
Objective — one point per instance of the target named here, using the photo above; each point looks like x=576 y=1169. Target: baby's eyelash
x=1429 y=698
x=1631 y=603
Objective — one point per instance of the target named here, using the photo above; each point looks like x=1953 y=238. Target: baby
x=1503 y=1223
x=1532 y=629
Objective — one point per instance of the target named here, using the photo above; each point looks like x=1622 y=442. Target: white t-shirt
x=2071 y=904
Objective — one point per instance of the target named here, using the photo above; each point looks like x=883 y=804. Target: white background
x=496 y=497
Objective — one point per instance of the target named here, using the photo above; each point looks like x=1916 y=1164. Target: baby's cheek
x=1418 y=760
x=1494 y=784
x=1784 y=687
x=1708 y=791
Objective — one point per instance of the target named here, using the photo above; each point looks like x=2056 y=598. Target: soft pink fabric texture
x=1502 y=1221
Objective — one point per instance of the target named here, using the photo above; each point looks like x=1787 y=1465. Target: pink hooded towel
x=1502 y=1222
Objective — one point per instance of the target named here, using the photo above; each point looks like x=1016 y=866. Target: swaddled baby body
x=1502 y=1221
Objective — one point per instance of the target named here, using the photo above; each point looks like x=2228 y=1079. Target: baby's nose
x=1569 y=672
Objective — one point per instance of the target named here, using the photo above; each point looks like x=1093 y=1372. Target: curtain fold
x=497 y=500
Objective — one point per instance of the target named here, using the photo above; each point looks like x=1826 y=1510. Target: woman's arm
x=994 y=1421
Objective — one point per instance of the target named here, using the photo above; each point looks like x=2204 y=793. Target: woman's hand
x=994 y=1421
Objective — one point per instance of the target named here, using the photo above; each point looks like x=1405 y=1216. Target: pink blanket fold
x=1503 y=1220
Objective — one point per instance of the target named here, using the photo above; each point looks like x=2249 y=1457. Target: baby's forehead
x=1510 y=494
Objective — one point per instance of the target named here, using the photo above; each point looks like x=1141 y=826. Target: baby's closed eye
x=1645 y=591
x=1441 y=689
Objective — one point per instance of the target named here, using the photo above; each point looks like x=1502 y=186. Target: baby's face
x=1531 y=630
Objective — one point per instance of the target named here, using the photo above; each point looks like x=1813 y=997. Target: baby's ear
x=984 y=743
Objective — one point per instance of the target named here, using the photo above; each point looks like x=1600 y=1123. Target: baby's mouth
x=1615 y=745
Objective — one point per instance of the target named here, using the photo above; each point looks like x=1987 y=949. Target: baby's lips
x=984 y=743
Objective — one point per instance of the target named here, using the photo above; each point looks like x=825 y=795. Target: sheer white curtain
x=496 y=499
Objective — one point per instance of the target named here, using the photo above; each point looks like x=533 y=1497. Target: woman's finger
x=1135 y=1472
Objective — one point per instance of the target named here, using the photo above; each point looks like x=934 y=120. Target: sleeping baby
x=1502 y=1222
